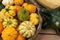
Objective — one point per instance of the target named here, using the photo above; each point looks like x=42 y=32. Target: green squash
x=46 y=16
x=56 y=18
x=23 y=15
x=51 y=19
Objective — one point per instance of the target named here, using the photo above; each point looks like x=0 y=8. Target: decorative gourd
x=55 y=13
x=9 y=11
x=49 y=4
x=20 y=37
x=10 y=23
x=18 y=8
x=34 y=18
x=1 y=27
x=9 y=33
x=18 y=2
x=7 y=2
x=30 y=7
x=23 y=15
x=27 y=29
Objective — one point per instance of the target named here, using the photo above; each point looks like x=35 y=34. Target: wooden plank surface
x=48 y=37
x=50 y=31
x=49 y=34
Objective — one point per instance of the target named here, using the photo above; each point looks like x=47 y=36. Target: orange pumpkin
x=18 y=8
x=18 y=2
x=20 y=37
x=1 y=27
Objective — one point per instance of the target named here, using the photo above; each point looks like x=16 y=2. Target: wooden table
x=47 y=35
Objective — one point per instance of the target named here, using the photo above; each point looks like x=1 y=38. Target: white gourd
x=27 y=29
x=6 y=2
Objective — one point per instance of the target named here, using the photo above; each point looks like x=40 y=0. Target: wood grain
x=48 y=37
x=49 y=31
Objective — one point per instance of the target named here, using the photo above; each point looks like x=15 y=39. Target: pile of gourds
x=18 y=20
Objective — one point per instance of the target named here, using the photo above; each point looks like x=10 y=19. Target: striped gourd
x=27 y=29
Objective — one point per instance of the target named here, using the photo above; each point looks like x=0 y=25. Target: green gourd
x=51 y=19
x=56 y=17
x=23 y=15
x=1 y=6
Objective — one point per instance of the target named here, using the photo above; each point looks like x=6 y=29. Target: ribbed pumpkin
x=9 y=33
x=27 y=29
x=9 y=11
x=10 y=23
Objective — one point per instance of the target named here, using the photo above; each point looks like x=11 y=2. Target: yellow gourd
x=9 y=11
x=34 y=18
x=10 y=23
x=30 y=7
x=9 y=33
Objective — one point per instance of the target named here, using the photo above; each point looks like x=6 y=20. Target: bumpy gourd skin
x=9 y=11
x=34 y=18
x=27 y=29
x=10 y=23
x=23 y=15
x=18 y=2
x=30 y=7
x=9 y=33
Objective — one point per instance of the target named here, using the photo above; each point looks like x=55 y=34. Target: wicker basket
x=40 y=22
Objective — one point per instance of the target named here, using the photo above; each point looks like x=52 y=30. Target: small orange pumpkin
x=1 y=27
x=20 y=37
x=18 y=2
x=18 y=8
